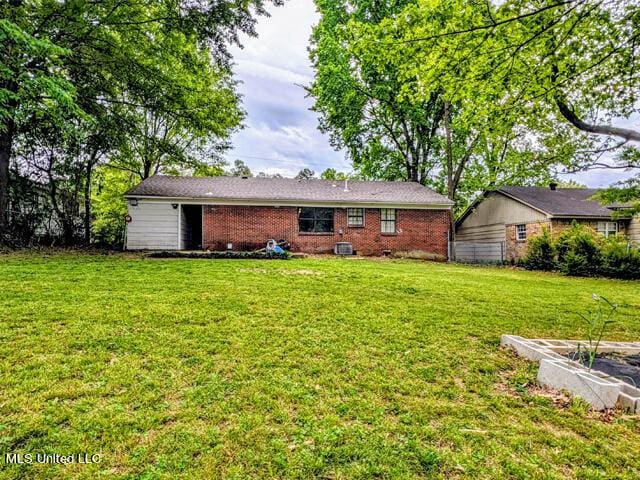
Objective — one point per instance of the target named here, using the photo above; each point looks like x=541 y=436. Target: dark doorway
x=192 y=228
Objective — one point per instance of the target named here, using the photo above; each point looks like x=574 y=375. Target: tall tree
x=150 y=75
x=30 y=79
x=568 y=61
x=401 y=116
x=358 y=97
x=240 y=169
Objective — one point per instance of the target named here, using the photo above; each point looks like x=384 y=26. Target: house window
x=608 y=228
x=521 y=232
x=355 y=217
x=315 y=220
x=388 y=220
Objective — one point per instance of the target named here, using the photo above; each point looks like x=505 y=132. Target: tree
x=305 y=174
x=570 y=184
x=333 y=174
x=357 y=96
x=571 y=61
x=171 y=98
x=402 y=116
x=30 y=80
x=240 y=169
x=109 y=204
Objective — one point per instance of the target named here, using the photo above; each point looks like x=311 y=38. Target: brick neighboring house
x=515 y=214
x=185 y=213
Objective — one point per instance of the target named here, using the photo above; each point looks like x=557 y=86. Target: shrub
x=619 y=259
x=578 y=251
x=541 y=253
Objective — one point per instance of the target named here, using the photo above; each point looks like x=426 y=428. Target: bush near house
x=580 y=251
x=541 y=252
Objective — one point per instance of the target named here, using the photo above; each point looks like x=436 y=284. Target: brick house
x=513 y=215
x=218 y=213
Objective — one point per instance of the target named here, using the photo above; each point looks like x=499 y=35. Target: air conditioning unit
x=343 y=248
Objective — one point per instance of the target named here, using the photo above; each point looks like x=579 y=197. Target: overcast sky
x=281 y=135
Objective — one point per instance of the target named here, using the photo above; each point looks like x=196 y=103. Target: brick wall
x=557 y=226
x=517 y=249
x=250 y=227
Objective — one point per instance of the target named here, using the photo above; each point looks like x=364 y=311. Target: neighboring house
x=217 y=213
x=515 y=214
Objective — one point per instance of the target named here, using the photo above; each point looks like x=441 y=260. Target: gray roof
x=288 y=190
x=562 y=202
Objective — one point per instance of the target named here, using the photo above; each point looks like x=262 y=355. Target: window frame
x=316 y=218
x=350 y=216
x=521 y=232
x=386 y=221
x=606 y=231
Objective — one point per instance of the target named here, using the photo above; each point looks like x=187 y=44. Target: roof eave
x=566 y=216
x=293 y=202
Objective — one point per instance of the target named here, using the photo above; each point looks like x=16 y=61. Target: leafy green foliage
x=240 y=169
x=333 y=174
x=401 y=112
x=619 y=259
x=568 y=64
x=541 y=252
x=109 y=205
x=145 y=86
x=626 y=194
x=578 y=250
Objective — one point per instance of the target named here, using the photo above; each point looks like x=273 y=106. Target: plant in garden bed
x=597 y=322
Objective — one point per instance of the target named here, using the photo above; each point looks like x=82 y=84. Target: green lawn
x=328 y=368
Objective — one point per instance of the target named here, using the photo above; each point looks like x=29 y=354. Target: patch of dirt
x=296 y=271
x=559 y=398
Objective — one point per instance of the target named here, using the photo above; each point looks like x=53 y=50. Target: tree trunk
x=6 y=143
x=449 y=152
x=87 y=201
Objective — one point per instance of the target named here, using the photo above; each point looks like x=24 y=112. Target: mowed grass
x=326 y=368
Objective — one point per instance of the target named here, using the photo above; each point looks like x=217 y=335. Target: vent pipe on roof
x=553 y=186
x=346 y=184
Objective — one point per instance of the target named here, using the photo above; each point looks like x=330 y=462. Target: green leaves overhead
x=518 y=78
x=143 y=86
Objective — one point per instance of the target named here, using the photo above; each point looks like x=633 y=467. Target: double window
x=355 y=217
x=388 y=220
x=521 y=232
x=608 y=228
x=315 y=220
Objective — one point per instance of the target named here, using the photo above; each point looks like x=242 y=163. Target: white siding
x=487 y=222
x=481 y=233
x=634 y=229
x=154 y=226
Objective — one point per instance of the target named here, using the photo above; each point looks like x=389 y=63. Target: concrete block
x=599 y=392
x=527 y=348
